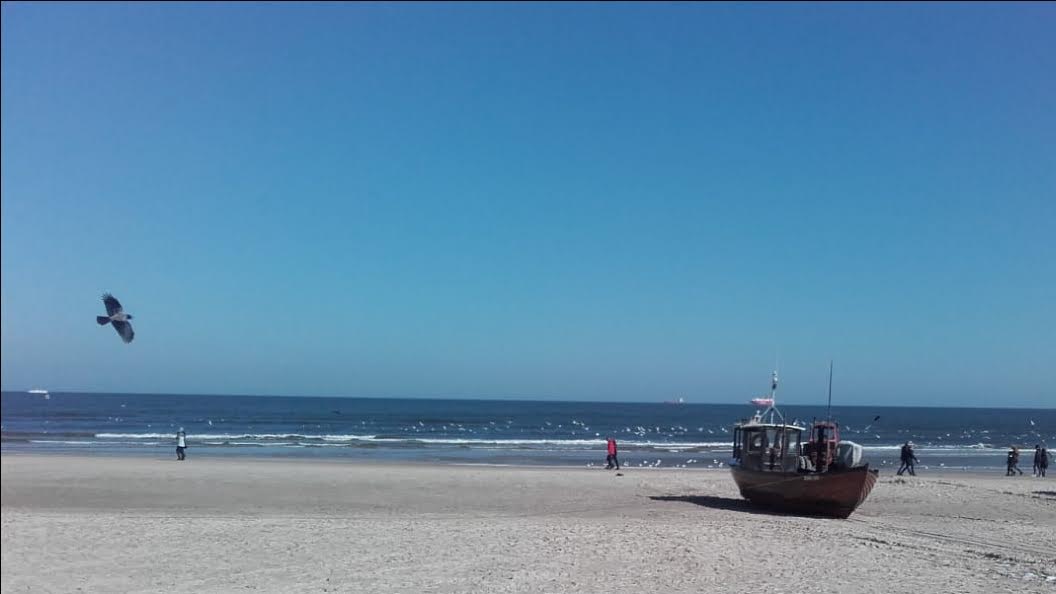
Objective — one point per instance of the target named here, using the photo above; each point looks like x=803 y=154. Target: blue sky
x=600 y=202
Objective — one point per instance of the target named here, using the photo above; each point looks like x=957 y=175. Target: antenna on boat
x=828 y=411
x=777 y=366
x=772 y=408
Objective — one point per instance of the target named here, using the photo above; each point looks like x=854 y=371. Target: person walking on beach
x=908 y=459
x=181 y=444
x=1037 y=460
x=1013 y=462
x=1043 y=465
x=611 y=459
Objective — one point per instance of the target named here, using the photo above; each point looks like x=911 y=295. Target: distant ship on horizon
x=679 y=400
x=41 y=392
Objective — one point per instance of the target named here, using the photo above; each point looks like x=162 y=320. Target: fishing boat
x=790 y=467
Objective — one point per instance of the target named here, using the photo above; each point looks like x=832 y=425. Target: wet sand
x=108 y=524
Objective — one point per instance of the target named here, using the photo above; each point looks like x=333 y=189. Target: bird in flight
x=116 y=315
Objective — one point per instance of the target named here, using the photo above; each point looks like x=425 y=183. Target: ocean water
x=688 y=436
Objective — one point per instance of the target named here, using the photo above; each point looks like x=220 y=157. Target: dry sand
x=130 y=524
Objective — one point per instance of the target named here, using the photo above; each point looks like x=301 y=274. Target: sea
x=489 y=432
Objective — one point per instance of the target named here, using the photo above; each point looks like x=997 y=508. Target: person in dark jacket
x=611 y=457
x=1013 y=462
x=1044 y=465
x=908 y=460
x=1037 y=460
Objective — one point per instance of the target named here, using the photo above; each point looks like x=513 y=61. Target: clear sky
x=600 y=202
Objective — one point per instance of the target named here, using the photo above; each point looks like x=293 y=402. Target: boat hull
x=835 y=493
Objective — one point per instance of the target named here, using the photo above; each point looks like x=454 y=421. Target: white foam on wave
x=271 y=438
x=567 y=443
x=938 y=448
x=340 y=440
x=230 y=436
x=250 y=443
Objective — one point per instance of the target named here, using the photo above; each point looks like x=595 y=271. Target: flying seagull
x=116 y=315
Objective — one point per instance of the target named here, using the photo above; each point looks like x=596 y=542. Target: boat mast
x=828 y=411
x=774 y=412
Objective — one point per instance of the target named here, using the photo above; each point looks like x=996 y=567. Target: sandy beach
x=99 y=524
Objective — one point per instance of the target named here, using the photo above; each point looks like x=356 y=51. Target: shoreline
x=200 y=454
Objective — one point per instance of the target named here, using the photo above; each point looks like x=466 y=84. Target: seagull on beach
x=116 y=315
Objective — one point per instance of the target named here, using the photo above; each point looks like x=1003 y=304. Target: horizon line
x=492 y=398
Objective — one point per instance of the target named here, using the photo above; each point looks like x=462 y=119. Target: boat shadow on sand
x=731 y=504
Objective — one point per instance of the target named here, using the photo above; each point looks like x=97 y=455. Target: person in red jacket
x=611 y=458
